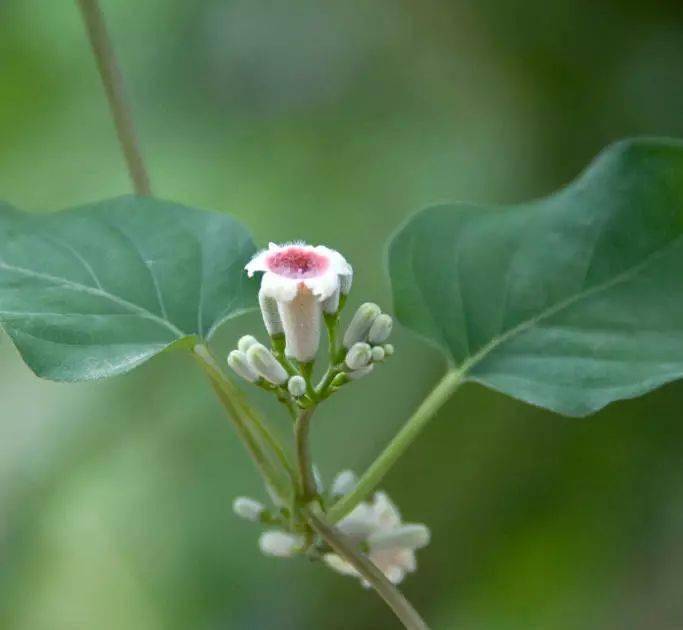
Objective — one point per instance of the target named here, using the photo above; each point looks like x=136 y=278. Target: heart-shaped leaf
x=95 y=291
x=569 y=302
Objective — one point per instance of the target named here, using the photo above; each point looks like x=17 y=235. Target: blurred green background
x=332 y=122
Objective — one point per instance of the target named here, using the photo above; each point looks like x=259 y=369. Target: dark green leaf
x=95 y=291
x=569 y=302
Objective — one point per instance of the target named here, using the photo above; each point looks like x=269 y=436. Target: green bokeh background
x=332 y=122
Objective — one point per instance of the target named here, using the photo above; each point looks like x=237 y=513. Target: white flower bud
x=381 y=328
x=361 y=323
x=361 y=372
x=270 y=313
x=248 y=509
x=239 y=364
x=411 y=536
x=345 y=282
x=297 y=386
x=344 y=482
x=245 y=342
x=378 y=353
x=261 y=360
x=280 y=544
x=388 y=349
x=331 y=304
x=358 y=356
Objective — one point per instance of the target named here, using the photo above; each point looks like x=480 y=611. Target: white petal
x=394 y=574
x=406 y=559
x=278 y=287
x=360 y=522
x=340 y=566
x=387 y=513
x=324 y=285
x=258 y=262
x=301 y=318
x=344 y=482
x=337 y=262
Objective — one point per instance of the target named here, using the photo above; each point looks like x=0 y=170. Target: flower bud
x=239 y=364
x=297 y=386
x=378 y=353
x=388 y=349
x=361 y=372
x=248 y=509
x=405 y=536
x=358 y=356
x=340 y=379
x=345 y=283
x=261 y=360
x=361 y=323
x=331 y=304
x=381 y=328
x=246 y=342
x=270 y=313
x=280 y=544
x=343 y=483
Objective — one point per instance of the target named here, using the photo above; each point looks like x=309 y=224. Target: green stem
x=307 y=484
x=232 y=400
x=374 y=474
x=345 y=549
x=112 y=80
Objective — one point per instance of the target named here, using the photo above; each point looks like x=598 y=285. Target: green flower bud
x=239 y=364
x=388 y=349
x=361 y=323
x=358 y=356
x=261 y=360
x=297 y=386
x=339 y=380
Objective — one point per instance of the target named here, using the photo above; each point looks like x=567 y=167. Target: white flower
x=391 y=545
x=302 y=280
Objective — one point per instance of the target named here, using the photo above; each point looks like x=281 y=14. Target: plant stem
x=112 y=80
x=359 y=561
x=244 y=417
x=307 y=483
x=386 y=459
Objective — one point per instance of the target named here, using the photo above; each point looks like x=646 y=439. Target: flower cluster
x=375 y=527
x=302 y=288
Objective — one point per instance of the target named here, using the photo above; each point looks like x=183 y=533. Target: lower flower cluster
x=374 y=526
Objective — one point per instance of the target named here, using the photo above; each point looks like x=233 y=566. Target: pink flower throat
x=297 y=263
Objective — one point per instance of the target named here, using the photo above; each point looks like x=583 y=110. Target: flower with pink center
x=299 y=282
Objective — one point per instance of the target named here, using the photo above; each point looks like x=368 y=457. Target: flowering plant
x=569 y=302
